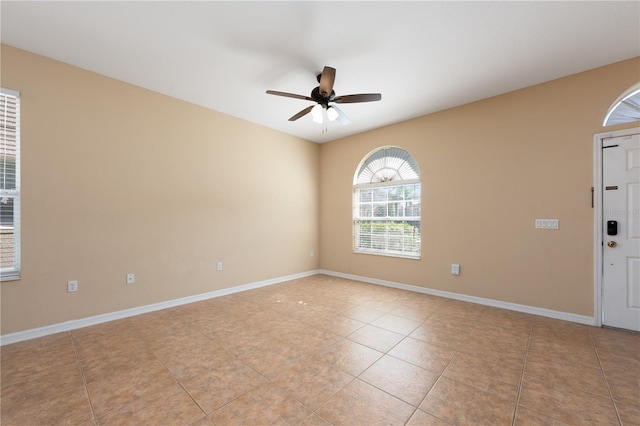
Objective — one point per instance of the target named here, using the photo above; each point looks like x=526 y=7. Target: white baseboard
x=98 y=319
x=565 y=316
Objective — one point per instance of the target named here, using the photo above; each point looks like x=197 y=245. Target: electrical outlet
x=219 y=266
x=72 y=286
x=131 y=278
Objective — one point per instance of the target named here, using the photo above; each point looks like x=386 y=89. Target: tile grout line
x=584 y=391
x=315 y=412
x=176 y=379
x=189 y=393
x=206 y=415
x=270 y=381
x=383 y=354
x=457 y=350
x=365 y=323
x=413 y=413
x=84 y=378
x=524 y=365
x=146 y=345
x=606 y=380
x=416 y=408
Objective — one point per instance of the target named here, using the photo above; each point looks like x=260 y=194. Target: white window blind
x=386 y=204
x=9 y=185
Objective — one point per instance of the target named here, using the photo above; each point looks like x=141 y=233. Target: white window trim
x=356 y=216
x=625 y=108
x=14 y=273
x=392 y=183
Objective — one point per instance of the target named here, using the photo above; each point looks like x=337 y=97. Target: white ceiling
x=422 y=56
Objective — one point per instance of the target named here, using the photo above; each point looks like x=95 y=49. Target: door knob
x=612 y=244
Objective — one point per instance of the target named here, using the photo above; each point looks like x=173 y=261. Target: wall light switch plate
x=455 y=269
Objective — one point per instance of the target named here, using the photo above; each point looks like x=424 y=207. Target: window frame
x=14 y=272
x=396 y=181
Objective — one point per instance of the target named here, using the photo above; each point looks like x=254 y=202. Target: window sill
x=377 y=253
x=9 y=276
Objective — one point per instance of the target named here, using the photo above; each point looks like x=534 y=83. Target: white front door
x=621 y=232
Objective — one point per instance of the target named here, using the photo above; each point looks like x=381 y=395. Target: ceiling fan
x=323 y=95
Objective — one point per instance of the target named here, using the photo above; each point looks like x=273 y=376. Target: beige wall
x=118 y=179
x=488 y=170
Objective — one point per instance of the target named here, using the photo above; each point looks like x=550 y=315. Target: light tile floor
x=320 y=351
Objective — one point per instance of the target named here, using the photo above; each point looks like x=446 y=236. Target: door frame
x=598 y=265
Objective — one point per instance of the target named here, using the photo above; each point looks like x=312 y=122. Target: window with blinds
x=386 y=204
x=9 y=185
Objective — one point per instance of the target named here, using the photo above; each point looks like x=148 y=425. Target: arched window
x=386 y=204
x=626 y=108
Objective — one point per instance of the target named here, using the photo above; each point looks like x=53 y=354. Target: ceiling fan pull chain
x=324 y=120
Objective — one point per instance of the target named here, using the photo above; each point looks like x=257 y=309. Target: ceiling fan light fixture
x=316 y=113
x=332 y=114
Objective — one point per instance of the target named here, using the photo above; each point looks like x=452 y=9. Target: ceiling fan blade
x=342 y=117
x=289 y=95
x=327 y=78
x=363 y=97
x=302 y=113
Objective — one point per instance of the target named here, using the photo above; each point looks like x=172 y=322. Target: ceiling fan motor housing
x=322 y=100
